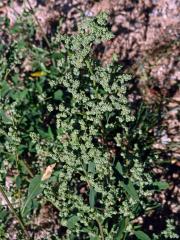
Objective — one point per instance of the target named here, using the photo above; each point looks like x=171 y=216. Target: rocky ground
x=147 y=42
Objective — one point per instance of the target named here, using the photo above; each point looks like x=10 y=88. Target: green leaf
x=34 y=186
x=5 y=118
x=39 y=87
x=33 y=191
x=50 y=133
x=93 y=233
x=92 y=196
x=119 y=168
x=94 y=238
x=72 y=221
x=47 y=135
x=35 y=204
x=2 y=19
x=58 y=95
x=122 y=227
x=16 y=28
x=4 y=88
x=161 y=185
x=43 y=67
x=141 y=235
x=7 y=22
x=18 y=182
x=72 y=237
x=21 y=44
x=91 y=167
x=129 y=188
x=15 y=78
x=3 y=214
x=19 y=95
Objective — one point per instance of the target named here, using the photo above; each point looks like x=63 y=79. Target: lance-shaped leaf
x=141 y=235
x=33 y=191
x=92 y=197
x=130 y=189
x=122 y=226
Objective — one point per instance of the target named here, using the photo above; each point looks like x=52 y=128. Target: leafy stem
x=100 y=229
x=14 y=212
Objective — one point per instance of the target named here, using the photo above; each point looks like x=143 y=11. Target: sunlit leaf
x=122 y=227
x=130 y=189
x=119 y=168
x=33 y=191
x=72 y=221
x=92 y=196
x=58 y=95
x=161 y=185
x=141 y=235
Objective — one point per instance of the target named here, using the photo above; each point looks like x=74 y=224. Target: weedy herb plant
x=62 y=111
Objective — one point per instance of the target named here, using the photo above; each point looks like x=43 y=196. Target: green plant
x=70 y=110
x=2 y=232
x=169 y=232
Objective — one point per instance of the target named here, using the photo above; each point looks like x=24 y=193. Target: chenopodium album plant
x=71 y=111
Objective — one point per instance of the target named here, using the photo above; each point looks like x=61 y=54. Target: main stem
x=100 y=229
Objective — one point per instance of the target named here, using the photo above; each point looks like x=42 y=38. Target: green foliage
x=169 y=232
x=3 y=221
x=2 y=232
x=72 y=111
x=161 y=185
x=33 y=190
x=141 y=235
